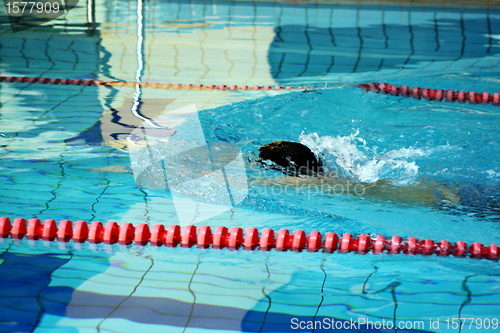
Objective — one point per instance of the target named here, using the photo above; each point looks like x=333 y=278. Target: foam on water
x=349 y=156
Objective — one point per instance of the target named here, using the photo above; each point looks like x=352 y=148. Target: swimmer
x=303 y=168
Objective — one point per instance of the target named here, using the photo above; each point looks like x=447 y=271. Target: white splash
x=345 y=155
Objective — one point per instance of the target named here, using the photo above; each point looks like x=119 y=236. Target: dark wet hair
x=293 y=157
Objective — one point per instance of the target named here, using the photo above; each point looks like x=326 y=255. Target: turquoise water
x=431 y=169
x=372 y=138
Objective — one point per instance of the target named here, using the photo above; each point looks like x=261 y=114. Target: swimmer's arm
x=425 y=191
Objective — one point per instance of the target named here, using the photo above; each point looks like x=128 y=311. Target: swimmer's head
x=294 y=157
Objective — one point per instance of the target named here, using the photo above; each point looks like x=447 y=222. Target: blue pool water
x=429 y=169
x=372 y=138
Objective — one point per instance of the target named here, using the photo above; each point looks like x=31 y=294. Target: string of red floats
x=234 y=238
x=179 y=86
x=436 y=95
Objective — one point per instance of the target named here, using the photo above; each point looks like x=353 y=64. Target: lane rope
x=436 y=95
x=132 y=84
x=234 y=238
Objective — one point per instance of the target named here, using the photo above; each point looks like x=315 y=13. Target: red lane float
x=96 y=232
x=233 y=239
x=5 y=227
x=18 y=228
x=331 y=242
x=267 y=240
x=126 y=233
x=314 y=241
x=80 y=231
x=436 y=95
x=251 y=238
x=65 y=231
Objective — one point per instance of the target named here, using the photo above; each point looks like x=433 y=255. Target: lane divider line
x=234 y=238
x=436 y=95
x=178 y=86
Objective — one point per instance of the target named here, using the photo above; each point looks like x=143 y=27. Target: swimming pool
x=65 y=155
